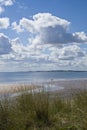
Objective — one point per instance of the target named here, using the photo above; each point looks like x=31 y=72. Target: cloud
x=66 y=54
x=4 y=23
x=5 y=45
x=1 y=10
x=22 y=5
x=5 y=3
x=40 y=53
x=49 y=44
x=42 y=57
x=71 y=52
x=30 y=53
x=17 y=27
x=42 y=21
x=48 y=29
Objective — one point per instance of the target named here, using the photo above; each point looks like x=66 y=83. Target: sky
x=43 y=35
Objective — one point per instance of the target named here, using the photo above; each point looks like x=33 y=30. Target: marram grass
x=42 y=111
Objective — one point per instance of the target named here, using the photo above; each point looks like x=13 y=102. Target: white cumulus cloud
x=46 y=28
x=5 y=45
x=49 y=44
x=4 y=23
x=4 y=3
x=17 y=27
x=1 y=10
x=71 y=52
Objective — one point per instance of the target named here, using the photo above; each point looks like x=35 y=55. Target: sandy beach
x=63 y=86
x=71 y=87
x=14 y=88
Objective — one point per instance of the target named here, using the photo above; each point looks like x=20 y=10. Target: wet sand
x=67 y=87
x=71 y=87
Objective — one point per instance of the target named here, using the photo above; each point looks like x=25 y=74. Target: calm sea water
x=27 y=77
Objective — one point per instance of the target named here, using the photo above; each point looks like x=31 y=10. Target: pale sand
x=14 y=88
x=69 y=86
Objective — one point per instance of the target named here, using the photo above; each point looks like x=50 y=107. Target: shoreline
x=65 y=85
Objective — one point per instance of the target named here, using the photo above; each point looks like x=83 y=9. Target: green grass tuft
x=44 y=111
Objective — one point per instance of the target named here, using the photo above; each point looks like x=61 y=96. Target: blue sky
x=43 y=35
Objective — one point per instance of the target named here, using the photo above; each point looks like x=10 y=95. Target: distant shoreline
x=45 y=71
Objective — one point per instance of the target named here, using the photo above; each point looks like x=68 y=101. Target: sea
x=37 y=76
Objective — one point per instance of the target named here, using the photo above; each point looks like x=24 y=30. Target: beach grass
x=44 y=111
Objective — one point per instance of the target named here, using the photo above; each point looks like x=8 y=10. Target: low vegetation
x=43 y=111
